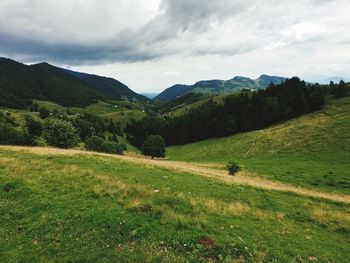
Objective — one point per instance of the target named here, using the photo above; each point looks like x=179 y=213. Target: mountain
x=174 y=92
x=212 y=87
x=20 y=84
x=108 y=87
x=335 y=79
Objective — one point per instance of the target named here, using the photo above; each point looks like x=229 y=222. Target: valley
x=76 y=183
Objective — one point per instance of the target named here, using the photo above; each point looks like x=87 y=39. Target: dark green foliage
x=20 y=84
x=34 y=107
x=88 y=125
x=44 y=113
x=108 y=87
x=315 y=101
x=339 y=90
x=244 y=111
x=112 y=128
x=34 y=126
x=12 y=135
x=97 y=144
x=60 y=133
x=124 y=146
x=154 y=146
x=112 y=147
x=94 y=143
x=232 y=168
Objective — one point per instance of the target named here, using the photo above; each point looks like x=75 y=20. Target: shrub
x=232 y=168
x=60 y=133
x=97 y=144
x=44 y=113
x=9 y=134
x=34 y=126
x=112 y=147
x=154 y=146
x=94 y=143
x=124 y=146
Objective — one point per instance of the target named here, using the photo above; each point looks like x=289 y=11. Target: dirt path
x=242 y=178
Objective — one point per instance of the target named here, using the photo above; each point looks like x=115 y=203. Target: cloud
x=87 y=32
x=194 y=37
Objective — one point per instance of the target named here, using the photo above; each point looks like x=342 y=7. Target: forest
x=243 y=111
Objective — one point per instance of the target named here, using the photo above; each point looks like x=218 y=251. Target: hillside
x=109 y=87
x=69 y=206
x=20 y=84
x=312 y=150
x=215 y=87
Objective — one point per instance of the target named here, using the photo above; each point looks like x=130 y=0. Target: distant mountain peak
x=240 y=78
x=216 y=86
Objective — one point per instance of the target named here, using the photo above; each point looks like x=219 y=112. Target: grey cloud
x=159 y=37
x=90 y=32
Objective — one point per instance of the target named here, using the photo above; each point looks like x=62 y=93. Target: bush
x=44 y=113
x=34 y=126
x=97 y=144
x=12 y=135
x=124 y=146
x=232 y=168
x=94 y=143
x=60 y=133
x=154 y=146
x=112 y=147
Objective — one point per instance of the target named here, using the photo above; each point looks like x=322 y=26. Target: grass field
x=124 y=117
x=121 y=112
x=101 y=209
x=312 y=151
x=182 y=109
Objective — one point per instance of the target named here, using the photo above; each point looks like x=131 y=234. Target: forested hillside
x=215 y=87
x=20 y=84
x=244 y=111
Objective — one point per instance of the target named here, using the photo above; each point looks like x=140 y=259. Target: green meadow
x=86 y=208
x=311 y=151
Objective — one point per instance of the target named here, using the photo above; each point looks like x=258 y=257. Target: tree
x=154 y=146
x=340 y=90
x=232 y=168
x=60 y=133
x=34 y=126
x=44 y=113
x=230 y=127
x=315 y=101
x=95 y=143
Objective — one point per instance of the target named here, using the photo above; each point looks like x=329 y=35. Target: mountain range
x=20 y=84
x=213 y=87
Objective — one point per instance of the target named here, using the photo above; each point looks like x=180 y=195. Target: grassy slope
x=313 y=150
x=125 y=112
x=123 y=117
x=89 y=208
x=184 y=108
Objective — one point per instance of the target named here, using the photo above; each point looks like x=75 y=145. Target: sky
x=152 y=44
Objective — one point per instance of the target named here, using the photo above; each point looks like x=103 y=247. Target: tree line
x=58 y=129
x=240 y=112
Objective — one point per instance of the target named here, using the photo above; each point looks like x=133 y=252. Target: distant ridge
x=108 y=86
x=211 y=87
x=20 y=84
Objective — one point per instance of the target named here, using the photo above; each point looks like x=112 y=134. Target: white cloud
x=152 y=44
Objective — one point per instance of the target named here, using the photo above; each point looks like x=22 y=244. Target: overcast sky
x=152 y=44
